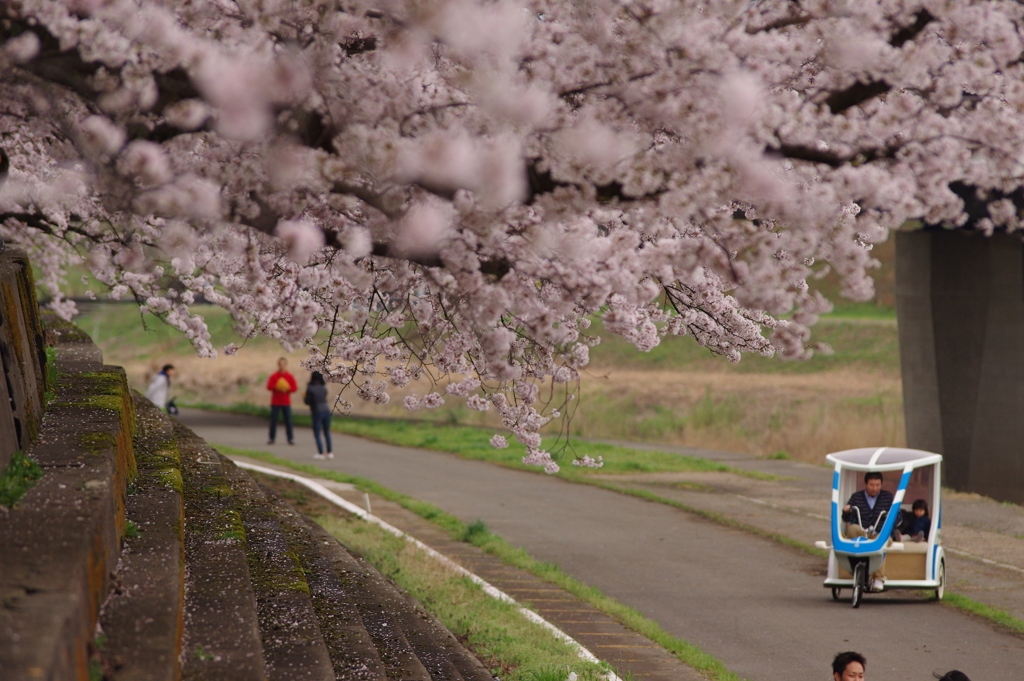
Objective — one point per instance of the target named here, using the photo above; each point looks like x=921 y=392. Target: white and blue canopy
x=883 y=458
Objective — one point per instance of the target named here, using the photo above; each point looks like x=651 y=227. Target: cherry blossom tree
x=454 y=189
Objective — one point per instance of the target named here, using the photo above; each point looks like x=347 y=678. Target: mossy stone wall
x=22 y=354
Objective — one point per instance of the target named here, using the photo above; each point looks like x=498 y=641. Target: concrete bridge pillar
x=960 y=305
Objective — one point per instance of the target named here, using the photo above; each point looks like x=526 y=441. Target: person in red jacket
x=281 y=385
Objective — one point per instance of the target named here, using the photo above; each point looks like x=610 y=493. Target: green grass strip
x=513 y=647
x=471 y=442
x=1000 y=617
x=19 y=477
x=50 y=376
x=689 y=654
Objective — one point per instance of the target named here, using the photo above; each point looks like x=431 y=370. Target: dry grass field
x=677 y=394
x=802 y=416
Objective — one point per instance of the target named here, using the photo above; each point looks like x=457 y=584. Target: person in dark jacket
x=863 y=511
x=316 y=398
x=954 y=675
x=916 y=525
x=869 y=503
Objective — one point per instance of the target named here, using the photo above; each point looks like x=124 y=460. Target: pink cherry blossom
x=301 y=238
x=477 y=403
x=100 y=137
x=146 y=162
x=451 y=192
x=432 y=400
x=22 y=48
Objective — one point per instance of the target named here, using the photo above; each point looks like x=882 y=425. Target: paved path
x=757 y=606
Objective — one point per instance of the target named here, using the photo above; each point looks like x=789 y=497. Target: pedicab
x=909 y=475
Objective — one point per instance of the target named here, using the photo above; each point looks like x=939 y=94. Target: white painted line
x=987 y=561
x=779 y=507
x=491 y=591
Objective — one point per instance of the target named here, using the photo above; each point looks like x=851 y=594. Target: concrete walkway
x=756 y=605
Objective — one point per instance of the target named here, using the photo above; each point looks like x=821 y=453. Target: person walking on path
x=281 y=385
x=316 y=398
x=160 y=387
x=848 y=666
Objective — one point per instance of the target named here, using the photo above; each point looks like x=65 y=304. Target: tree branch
x=36 y=220
x=799 y=153
x=831 y=159
x=800 y=20
x=369 y=197
x=921 y=19
x=858 y=93
x=543 y=183
x=5 y=166
x=593 y=86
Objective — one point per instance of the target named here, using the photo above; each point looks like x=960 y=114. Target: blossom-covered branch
x=455 y=189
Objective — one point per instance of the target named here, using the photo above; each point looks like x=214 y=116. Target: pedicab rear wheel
x=859 y=580
x=835 y=593
x=940 y=591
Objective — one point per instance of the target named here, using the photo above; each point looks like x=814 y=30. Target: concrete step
x=375 y=600
x=412 y=643
x=141 y=620
x=293 y=646
x=352 y=650
x=439 y=651
x=221 y=628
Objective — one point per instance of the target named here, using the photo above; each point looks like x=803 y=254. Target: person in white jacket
x=160 y=386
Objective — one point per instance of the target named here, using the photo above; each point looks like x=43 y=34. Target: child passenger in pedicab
x=862 y=513
x=915 y=527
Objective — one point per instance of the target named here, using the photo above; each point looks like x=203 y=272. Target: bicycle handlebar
x=878 y=520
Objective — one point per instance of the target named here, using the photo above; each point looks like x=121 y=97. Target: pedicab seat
x=908 y=547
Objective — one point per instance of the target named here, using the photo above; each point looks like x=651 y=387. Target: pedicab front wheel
x=940 y=591
x=835 y=593
x=859 y=580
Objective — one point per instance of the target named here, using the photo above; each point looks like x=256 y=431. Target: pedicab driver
x=871 y=502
